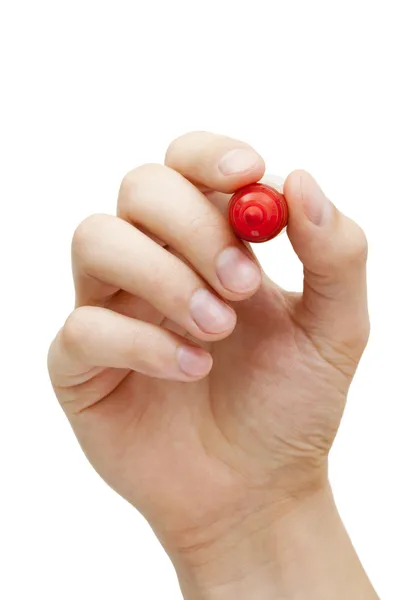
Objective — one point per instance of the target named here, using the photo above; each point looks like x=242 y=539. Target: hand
x=202 y=392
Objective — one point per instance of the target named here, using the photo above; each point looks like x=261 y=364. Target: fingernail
x=237 y=272
x=210 y=314
x=316 y=204
x=238 y=161
x=193 y=361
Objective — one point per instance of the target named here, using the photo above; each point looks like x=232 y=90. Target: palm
x=269 y=404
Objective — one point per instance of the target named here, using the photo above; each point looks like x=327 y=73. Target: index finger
x=214 y=162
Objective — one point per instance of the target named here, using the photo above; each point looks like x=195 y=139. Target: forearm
x=304 y=555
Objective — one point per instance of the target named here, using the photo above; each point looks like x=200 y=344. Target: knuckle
x=154 y=365
x=364 y=334
x=343 y=352
x=197 y=224
x=356 y=341
x=206 y=225
x=172 y=148
x=358 y=246
x=75 y=331
x=134 y=179
x=152 y=357
x=179 y=141
x=86 y=232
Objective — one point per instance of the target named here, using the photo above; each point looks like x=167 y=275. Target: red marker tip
x=257 y=212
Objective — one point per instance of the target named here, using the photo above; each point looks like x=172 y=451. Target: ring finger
x=111 y=252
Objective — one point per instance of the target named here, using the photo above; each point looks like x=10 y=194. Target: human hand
x=220 y=438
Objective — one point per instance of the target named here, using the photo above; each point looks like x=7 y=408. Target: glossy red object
x=257 y=212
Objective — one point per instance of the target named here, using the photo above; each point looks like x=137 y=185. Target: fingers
x=96 y=337
x=161 y=201
x=110 y=250
x=333 y=250
x=214 y=161
x=221 y=200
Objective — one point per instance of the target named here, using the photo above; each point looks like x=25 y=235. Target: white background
x=88 y=91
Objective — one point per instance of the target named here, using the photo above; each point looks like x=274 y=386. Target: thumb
x=333 y=250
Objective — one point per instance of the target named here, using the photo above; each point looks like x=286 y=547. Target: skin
x=228 y=464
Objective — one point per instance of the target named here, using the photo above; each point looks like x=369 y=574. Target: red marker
x=257 y=212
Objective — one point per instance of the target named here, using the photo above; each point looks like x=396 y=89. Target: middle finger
x=164 y=203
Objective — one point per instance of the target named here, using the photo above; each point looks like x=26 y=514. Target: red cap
x=257 y=212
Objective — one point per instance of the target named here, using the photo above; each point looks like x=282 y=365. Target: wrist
x=302 y=554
